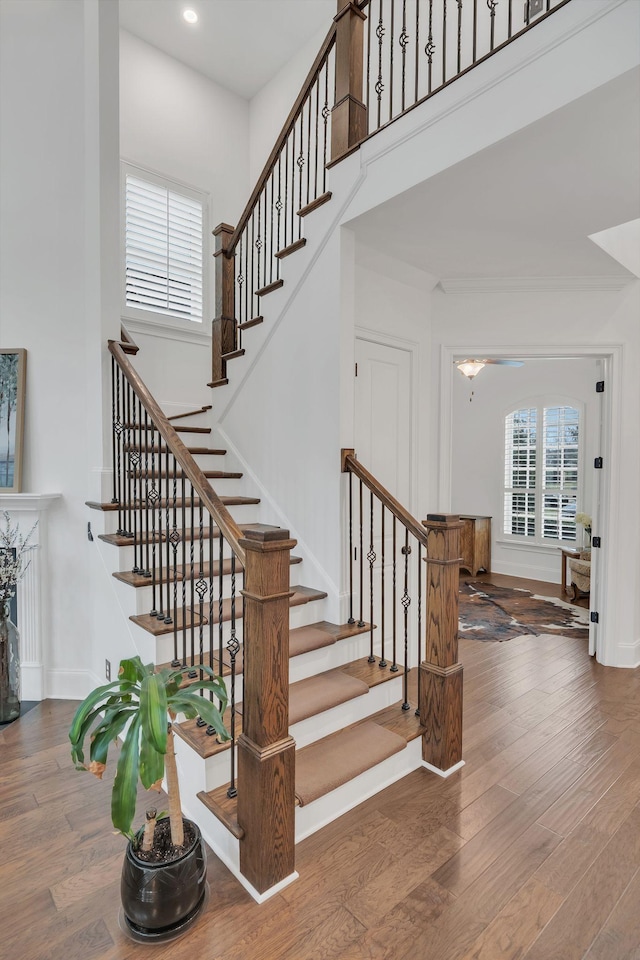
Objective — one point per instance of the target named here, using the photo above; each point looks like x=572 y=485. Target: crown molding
x=477 y=285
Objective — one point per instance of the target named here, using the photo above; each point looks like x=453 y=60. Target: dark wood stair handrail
x=351 y=465
x=280 y=142
x=209 y=498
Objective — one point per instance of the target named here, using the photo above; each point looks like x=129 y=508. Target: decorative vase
x=9 y=668
x=587 y=538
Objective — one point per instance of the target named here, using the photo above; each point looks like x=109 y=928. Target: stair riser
x=323 y=724
x=314 y=816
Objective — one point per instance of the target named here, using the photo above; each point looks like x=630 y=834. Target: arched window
x=542 y=457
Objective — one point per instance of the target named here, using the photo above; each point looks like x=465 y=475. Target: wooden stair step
x=179 y=429
x=329 y=763
x=161 y=504
x=190 y=413
x=269 y=288
x=321 y=692
x=314 y=636
x=318 y=202
x=207 y=744
x=158 y=628
x=179 y=474
x=161 y=450
x=224 y=808
x=250 y=323
x=233 y=354
x=219 y=383
x=291 y=248
x=118 y=540
x=138 y=580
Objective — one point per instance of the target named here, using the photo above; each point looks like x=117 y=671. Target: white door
x=383 y=415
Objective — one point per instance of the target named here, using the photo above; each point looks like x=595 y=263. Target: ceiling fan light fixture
x=470 y=368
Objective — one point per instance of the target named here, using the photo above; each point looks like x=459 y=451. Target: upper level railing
x=379 y=59
x=413 y=48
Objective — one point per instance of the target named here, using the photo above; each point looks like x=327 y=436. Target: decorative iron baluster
x=351 y=556
x=379 y=87
x=492 y=4
x=419 y=621
x=394 y=666
x=257 y=243
x=393 y=7
x=211 y=641
x=201 y=588
x=153 y=496
x=300 y=160
x=510 y=18
x=251 y=269
x=118 y=429
x=444 y=41
x=361 y=558
x=403 y=40
x=233 y=647
x=271 y=224
x=371 y=557
x=417 y=50
x=167 y=541
x=192 y=577
x=368 y=87
x=459 y=34
x=134 y=460
x=475 y=31
x=406 y=601
x=175 y=538
x=220 y=599
x=308 y=162
x=317 y=114
x=430 y=48
x=144 y=500
x=114 y=499
x=278 y=206
x=383 y=662
x=183 y=577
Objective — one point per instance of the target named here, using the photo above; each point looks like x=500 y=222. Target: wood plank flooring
x=531 y=851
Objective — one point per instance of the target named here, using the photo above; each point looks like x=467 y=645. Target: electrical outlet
x=532 y=8
x=107 y=669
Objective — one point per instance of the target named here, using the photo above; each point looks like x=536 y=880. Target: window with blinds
x=541 y=503
x=163 y=241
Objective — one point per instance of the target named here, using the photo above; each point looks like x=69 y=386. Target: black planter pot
x=161 y=899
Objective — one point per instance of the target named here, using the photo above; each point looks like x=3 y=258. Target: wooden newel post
x=266 y=752
x=223 y=326
x=441 y=674
x=349 y=114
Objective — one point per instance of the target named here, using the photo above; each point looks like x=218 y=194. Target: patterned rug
x=489 y=612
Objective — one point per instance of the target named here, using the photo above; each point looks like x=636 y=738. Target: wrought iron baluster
x=444 y=41
x=325 y=116
x=144 y=500
x=167 y=535
x=379 y=84
x=510 y=19
x=368 y=87
x=391 y=25
x=287 y=200
x=114 y=376
x=211 y=642
x=417 y=50
x=351 y=557
x=430 y=49
x=403 y=40
x=201 y=586
x=134 y=460
x=300 y=163
x=309 y=146
x=419 y=622
x=272 y=259
x=233 y=646
x=251 y=269
x=220 y=599
x=317 y=113
x=152 y=500
x=240 y=280
x=383 y=662
x=459 y=34
x=175 y=538
x=492 y=4
x=118 y=430
x=394 y=609
x=293 y=181
x=183 y=572
x=192 y=579
x=475 y=31
x=406 y=601
x=371 y=557
x=257 y=243
x=278 y=206
x=361 y=558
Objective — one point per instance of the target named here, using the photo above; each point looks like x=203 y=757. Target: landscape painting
x=12 y=385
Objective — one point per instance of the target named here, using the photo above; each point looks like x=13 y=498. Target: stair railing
x=293 y=182
x=206 y=575
x=403 y=581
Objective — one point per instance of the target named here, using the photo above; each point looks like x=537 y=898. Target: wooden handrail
x=351 y=465
x=208 y=497
x=128 y=343
x=286 y=130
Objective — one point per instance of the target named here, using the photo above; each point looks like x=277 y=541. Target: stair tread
x=161 y=504
x=291 y=248
x=119 y=540
x=310 y=207
x=179 y=429
x=161 y=450
x=269 y=288
x=322 y=691
x=190 y=413
x=327 y=764
x=224 y=808
x=299 y=595
x=314 y=636
x=179 y=474
x=138 y=580
x=233 y=354
x=250 y=323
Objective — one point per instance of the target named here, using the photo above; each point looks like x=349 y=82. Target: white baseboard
x=69 y=684
x=628 y=655
x=32 y=681
x=443 y=773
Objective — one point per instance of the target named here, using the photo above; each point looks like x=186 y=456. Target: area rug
x=490 y=612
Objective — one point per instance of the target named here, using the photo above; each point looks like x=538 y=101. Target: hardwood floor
x=531 y=851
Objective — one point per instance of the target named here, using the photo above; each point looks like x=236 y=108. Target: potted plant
x=13 y=566
x=164 y=872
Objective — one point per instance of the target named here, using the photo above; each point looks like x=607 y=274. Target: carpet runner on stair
x=327 y=764
x=322 y=692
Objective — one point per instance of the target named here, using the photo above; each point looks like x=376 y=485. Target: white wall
x=58 y=256
x=477 y=462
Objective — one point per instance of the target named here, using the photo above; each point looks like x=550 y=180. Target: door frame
x=602 y=636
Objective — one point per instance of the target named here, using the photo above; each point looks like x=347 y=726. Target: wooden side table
x=475 y=544
x=566 y=552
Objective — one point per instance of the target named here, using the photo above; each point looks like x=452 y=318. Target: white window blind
x=163 y=250
x=541 y=503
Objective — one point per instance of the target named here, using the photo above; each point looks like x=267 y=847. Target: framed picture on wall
x=13 y=367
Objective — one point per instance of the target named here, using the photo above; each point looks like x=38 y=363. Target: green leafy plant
x=145 y=701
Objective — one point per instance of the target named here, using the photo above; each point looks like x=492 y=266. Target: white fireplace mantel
x=25 y=509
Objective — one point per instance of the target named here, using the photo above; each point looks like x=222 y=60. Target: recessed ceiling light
x=190 y=16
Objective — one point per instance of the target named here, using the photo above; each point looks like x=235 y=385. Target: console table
x=475 y=543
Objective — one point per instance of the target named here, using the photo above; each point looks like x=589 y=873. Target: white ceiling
x=239 y=44
x=525 y=207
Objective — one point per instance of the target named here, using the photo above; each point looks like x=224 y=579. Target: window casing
x=542 y=460
x=165 y=225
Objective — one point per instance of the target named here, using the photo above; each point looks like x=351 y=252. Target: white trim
x=471 y=285
x=28 y=501
x=68 y=684
x=443 y=773
x=271 y=892
x=165 y=329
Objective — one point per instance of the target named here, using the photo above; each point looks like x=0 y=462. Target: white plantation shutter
x=163 y=250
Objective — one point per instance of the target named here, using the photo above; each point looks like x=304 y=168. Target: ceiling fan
x=472 y=367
